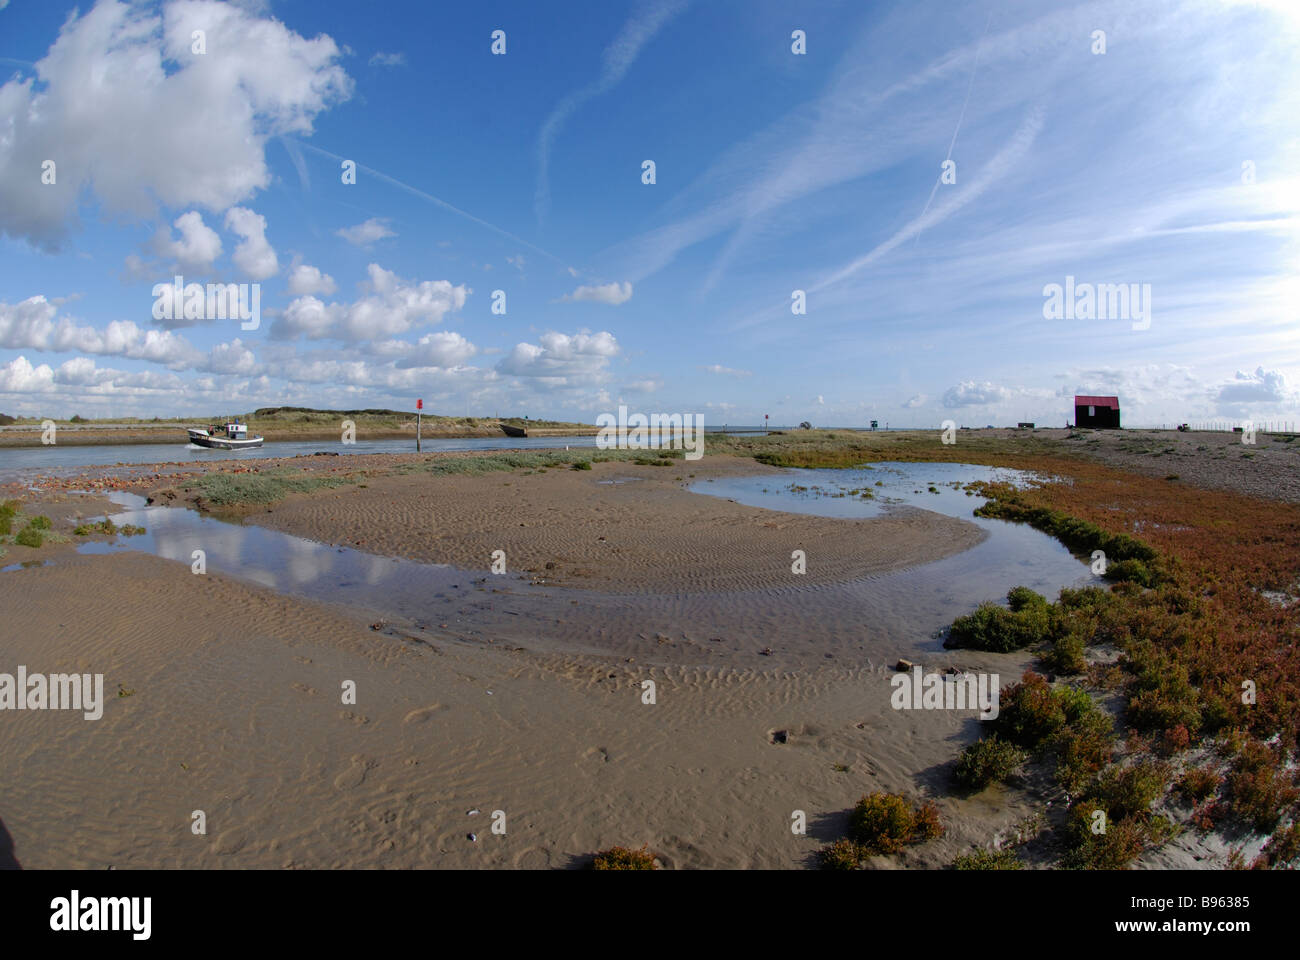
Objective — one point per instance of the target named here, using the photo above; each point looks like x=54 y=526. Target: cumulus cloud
x=368 y=375
x=560 y=357
x=727 y=371
x=364 y=234
x=231 y=358
x=80 y=377
x=305 y=279
x=389 y=308
x=382 y=59
x=115 y=73
x=19 y=376
x=254 y=254
x=968 y=393
x=610 y=293
x=442 y=348
x=1259 y=387
x=82 y=372
x=197 y=247
x=916 y=401
x=31 y=324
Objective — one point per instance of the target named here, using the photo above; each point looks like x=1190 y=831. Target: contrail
x=618 y=59
x=994 y=170
x=1002 y=161
x=435 y=200
x=960 y=117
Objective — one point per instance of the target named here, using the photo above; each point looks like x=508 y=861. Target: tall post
x=417 y=431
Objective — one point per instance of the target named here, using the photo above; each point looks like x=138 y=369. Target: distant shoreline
x=102 y=434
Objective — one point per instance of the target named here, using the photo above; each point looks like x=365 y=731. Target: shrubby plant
x=988 y=760
x=624 y=858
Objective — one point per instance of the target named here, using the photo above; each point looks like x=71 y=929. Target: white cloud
x=727 y=371
x=305 y=279
x=610 y=293
x=19 y=376
x=916 y=401
x=560 y=357
x=389 y=308
x=642 y=386
x=388 y=60
x=82 y=372
x=86 y=380
x=968 y=393
x=198 y=246
x=254 y=254
x=119 y=77
x=1266 y=387
x=364 y=234
x=232 y=357
x=31 y=324
x=442 y=348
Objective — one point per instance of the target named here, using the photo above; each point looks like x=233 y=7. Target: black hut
x=1096 y=412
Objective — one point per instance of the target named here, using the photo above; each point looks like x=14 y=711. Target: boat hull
x=201 y=438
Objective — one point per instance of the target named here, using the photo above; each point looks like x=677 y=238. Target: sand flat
x=618 y=527
x=234 y=708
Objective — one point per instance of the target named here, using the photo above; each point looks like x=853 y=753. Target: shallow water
x=21 y=462
x=938 y=487
x=876 y=618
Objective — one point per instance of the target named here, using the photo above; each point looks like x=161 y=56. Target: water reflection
x=874 y=618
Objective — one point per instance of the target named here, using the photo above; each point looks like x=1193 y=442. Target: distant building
x=1097 y=412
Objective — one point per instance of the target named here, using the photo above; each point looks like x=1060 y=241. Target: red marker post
x=419 y=406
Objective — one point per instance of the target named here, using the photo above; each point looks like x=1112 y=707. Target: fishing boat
x=233 y=436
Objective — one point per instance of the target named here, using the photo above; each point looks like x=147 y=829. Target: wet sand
x=234 y=708
x=618 y=527
x=232 y=694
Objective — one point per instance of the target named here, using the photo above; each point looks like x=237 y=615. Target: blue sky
x=1171 y=161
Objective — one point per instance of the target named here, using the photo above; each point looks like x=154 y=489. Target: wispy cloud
x=615 y=63
x=608 y=293
x=726 y=371
x=364 y=234
x=423 y=195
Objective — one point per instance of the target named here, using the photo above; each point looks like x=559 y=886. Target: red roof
x=1112 y=402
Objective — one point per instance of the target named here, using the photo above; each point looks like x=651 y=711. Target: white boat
x=234 y=436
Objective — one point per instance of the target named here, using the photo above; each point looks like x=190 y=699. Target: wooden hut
x=1100 y=413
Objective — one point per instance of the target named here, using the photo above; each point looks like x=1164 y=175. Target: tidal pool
x=876 y=618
